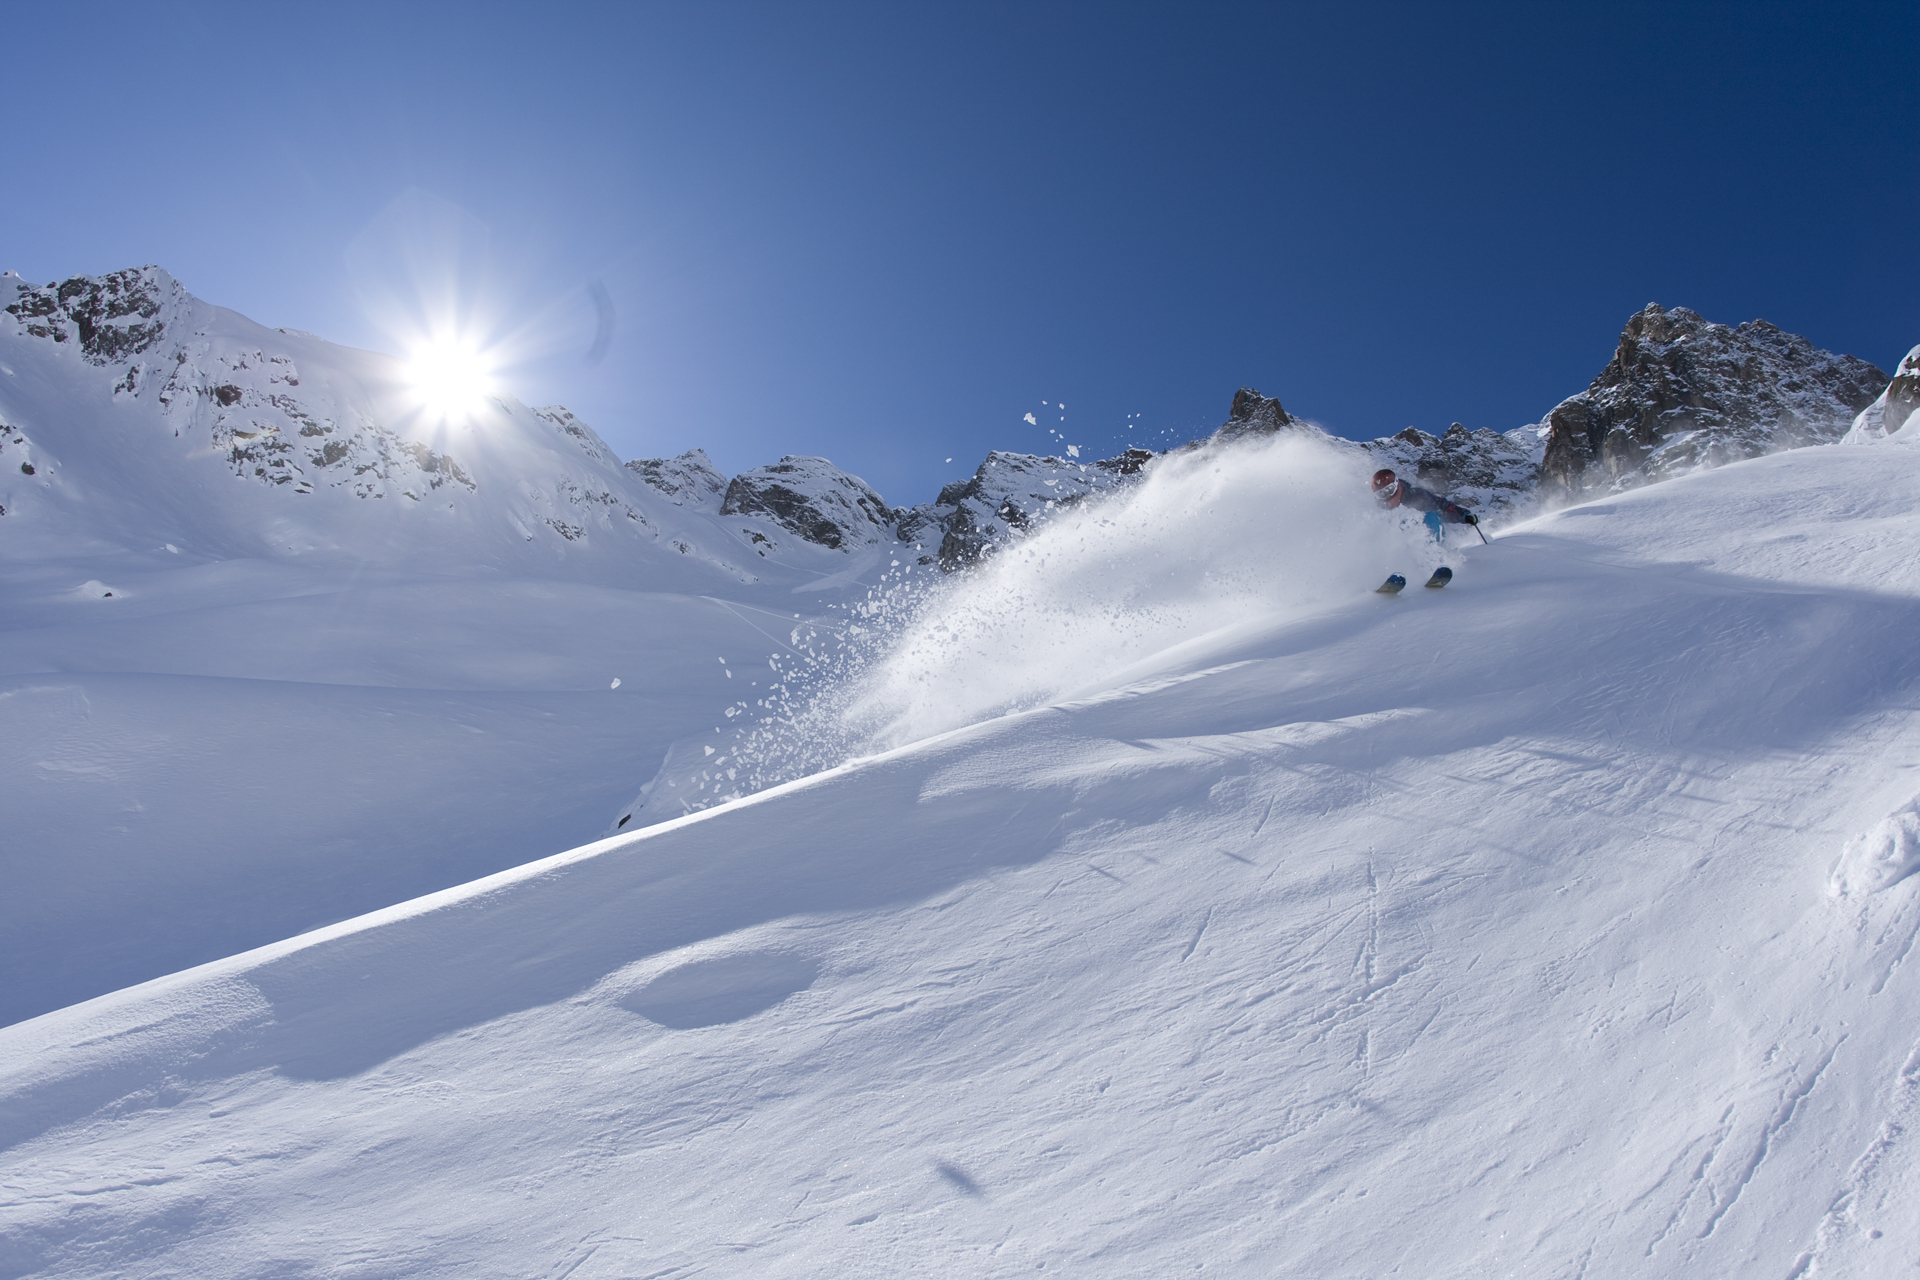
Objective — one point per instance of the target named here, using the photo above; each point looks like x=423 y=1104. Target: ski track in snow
x=1470 y=933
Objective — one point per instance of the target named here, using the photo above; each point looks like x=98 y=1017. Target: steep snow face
x=1486 y=931
x=1894 y=407
x=1681 y=393
x=813 y=500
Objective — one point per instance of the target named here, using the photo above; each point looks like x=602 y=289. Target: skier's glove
x=1470 y=518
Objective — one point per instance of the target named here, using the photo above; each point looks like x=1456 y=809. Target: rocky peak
x=107 y=317
x=1682 y=392
x=1254 y=414
x=812 y=499
x=690 y=480
x=1895 y=406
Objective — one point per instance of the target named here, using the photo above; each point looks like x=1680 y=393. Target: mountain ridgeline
x=118 y=388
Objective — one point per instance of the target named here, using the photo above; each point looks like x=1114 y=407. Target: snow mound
x=1894 y=409
x=1882 y=857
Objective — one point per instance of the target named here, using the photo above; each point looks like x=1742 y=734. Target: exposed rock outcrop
x=1007 y=495
x=814 y=500
x=1253 y=414
x=1895 y=406
x=108 y=317
x=1681 y=392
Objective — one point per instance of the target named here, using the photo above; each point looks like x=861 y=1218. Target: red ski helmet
x=1382 y=478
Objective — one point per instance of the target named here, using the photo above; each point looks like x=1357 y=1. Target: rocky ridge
x=300 y=416
x=1681 y=392
x=814 y=499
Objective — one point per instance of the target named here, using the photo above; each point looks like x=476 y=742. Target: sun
x=450 y=379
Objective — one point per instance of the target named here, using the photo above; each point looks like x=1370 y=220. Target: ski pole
x=1483 y=534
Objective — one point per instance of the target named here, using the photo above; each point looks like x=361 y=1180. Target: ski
x=1391 y=587
x=1441 y=577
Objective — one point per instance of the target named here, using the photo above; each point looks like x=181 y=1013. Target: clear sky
x=885 y=233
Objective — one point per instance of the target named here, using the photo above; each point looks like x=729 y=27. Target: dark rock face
x=112 y=316
x=1681 y=392
x=813 y=499
x=1253 y=414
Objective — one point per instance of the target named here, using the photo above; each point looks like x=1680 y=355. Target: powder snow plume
x=1252 y=531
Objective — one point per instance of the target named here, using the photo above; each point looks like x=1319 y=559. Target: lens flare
x=450 y=379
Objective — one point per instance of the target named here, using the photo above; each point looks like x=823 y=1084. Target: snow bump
x=708 y=993
x=1882 y=857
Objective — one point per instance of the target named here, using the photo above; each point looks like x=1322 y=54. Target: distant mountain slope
x=137 y=418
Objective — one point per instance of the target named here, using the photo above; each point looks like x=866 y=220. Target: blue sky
x=884 y=233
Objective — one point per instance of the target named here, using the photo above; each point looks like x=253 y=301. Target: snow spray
x=1266 y=530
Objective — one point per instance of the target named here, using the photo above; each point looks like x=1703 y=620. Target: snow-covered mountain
x=130 y=410
x=1561 y=923
x=1682 y=393
x=138 y=418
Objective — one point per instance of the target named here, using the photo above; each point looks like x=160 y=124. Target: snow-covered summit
x=690 y=480
x=1681 y=392
x=814 y=500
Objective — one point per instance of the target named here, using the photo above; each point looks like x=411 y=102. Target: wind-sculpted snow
x=1273 y=527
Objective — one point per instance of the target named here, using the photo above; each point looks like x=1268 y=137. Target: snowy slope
x=1480 y=932
x=277 y=649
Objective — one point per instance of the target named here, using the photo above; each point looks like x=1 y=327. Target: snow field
x=233 y=753
x=1474 y=932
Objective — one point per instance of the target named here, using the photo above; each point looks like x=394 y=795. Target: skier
x=1390 y=492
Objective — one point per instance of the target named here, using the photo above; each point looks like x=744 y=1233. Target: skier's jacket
x=1400 y=493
